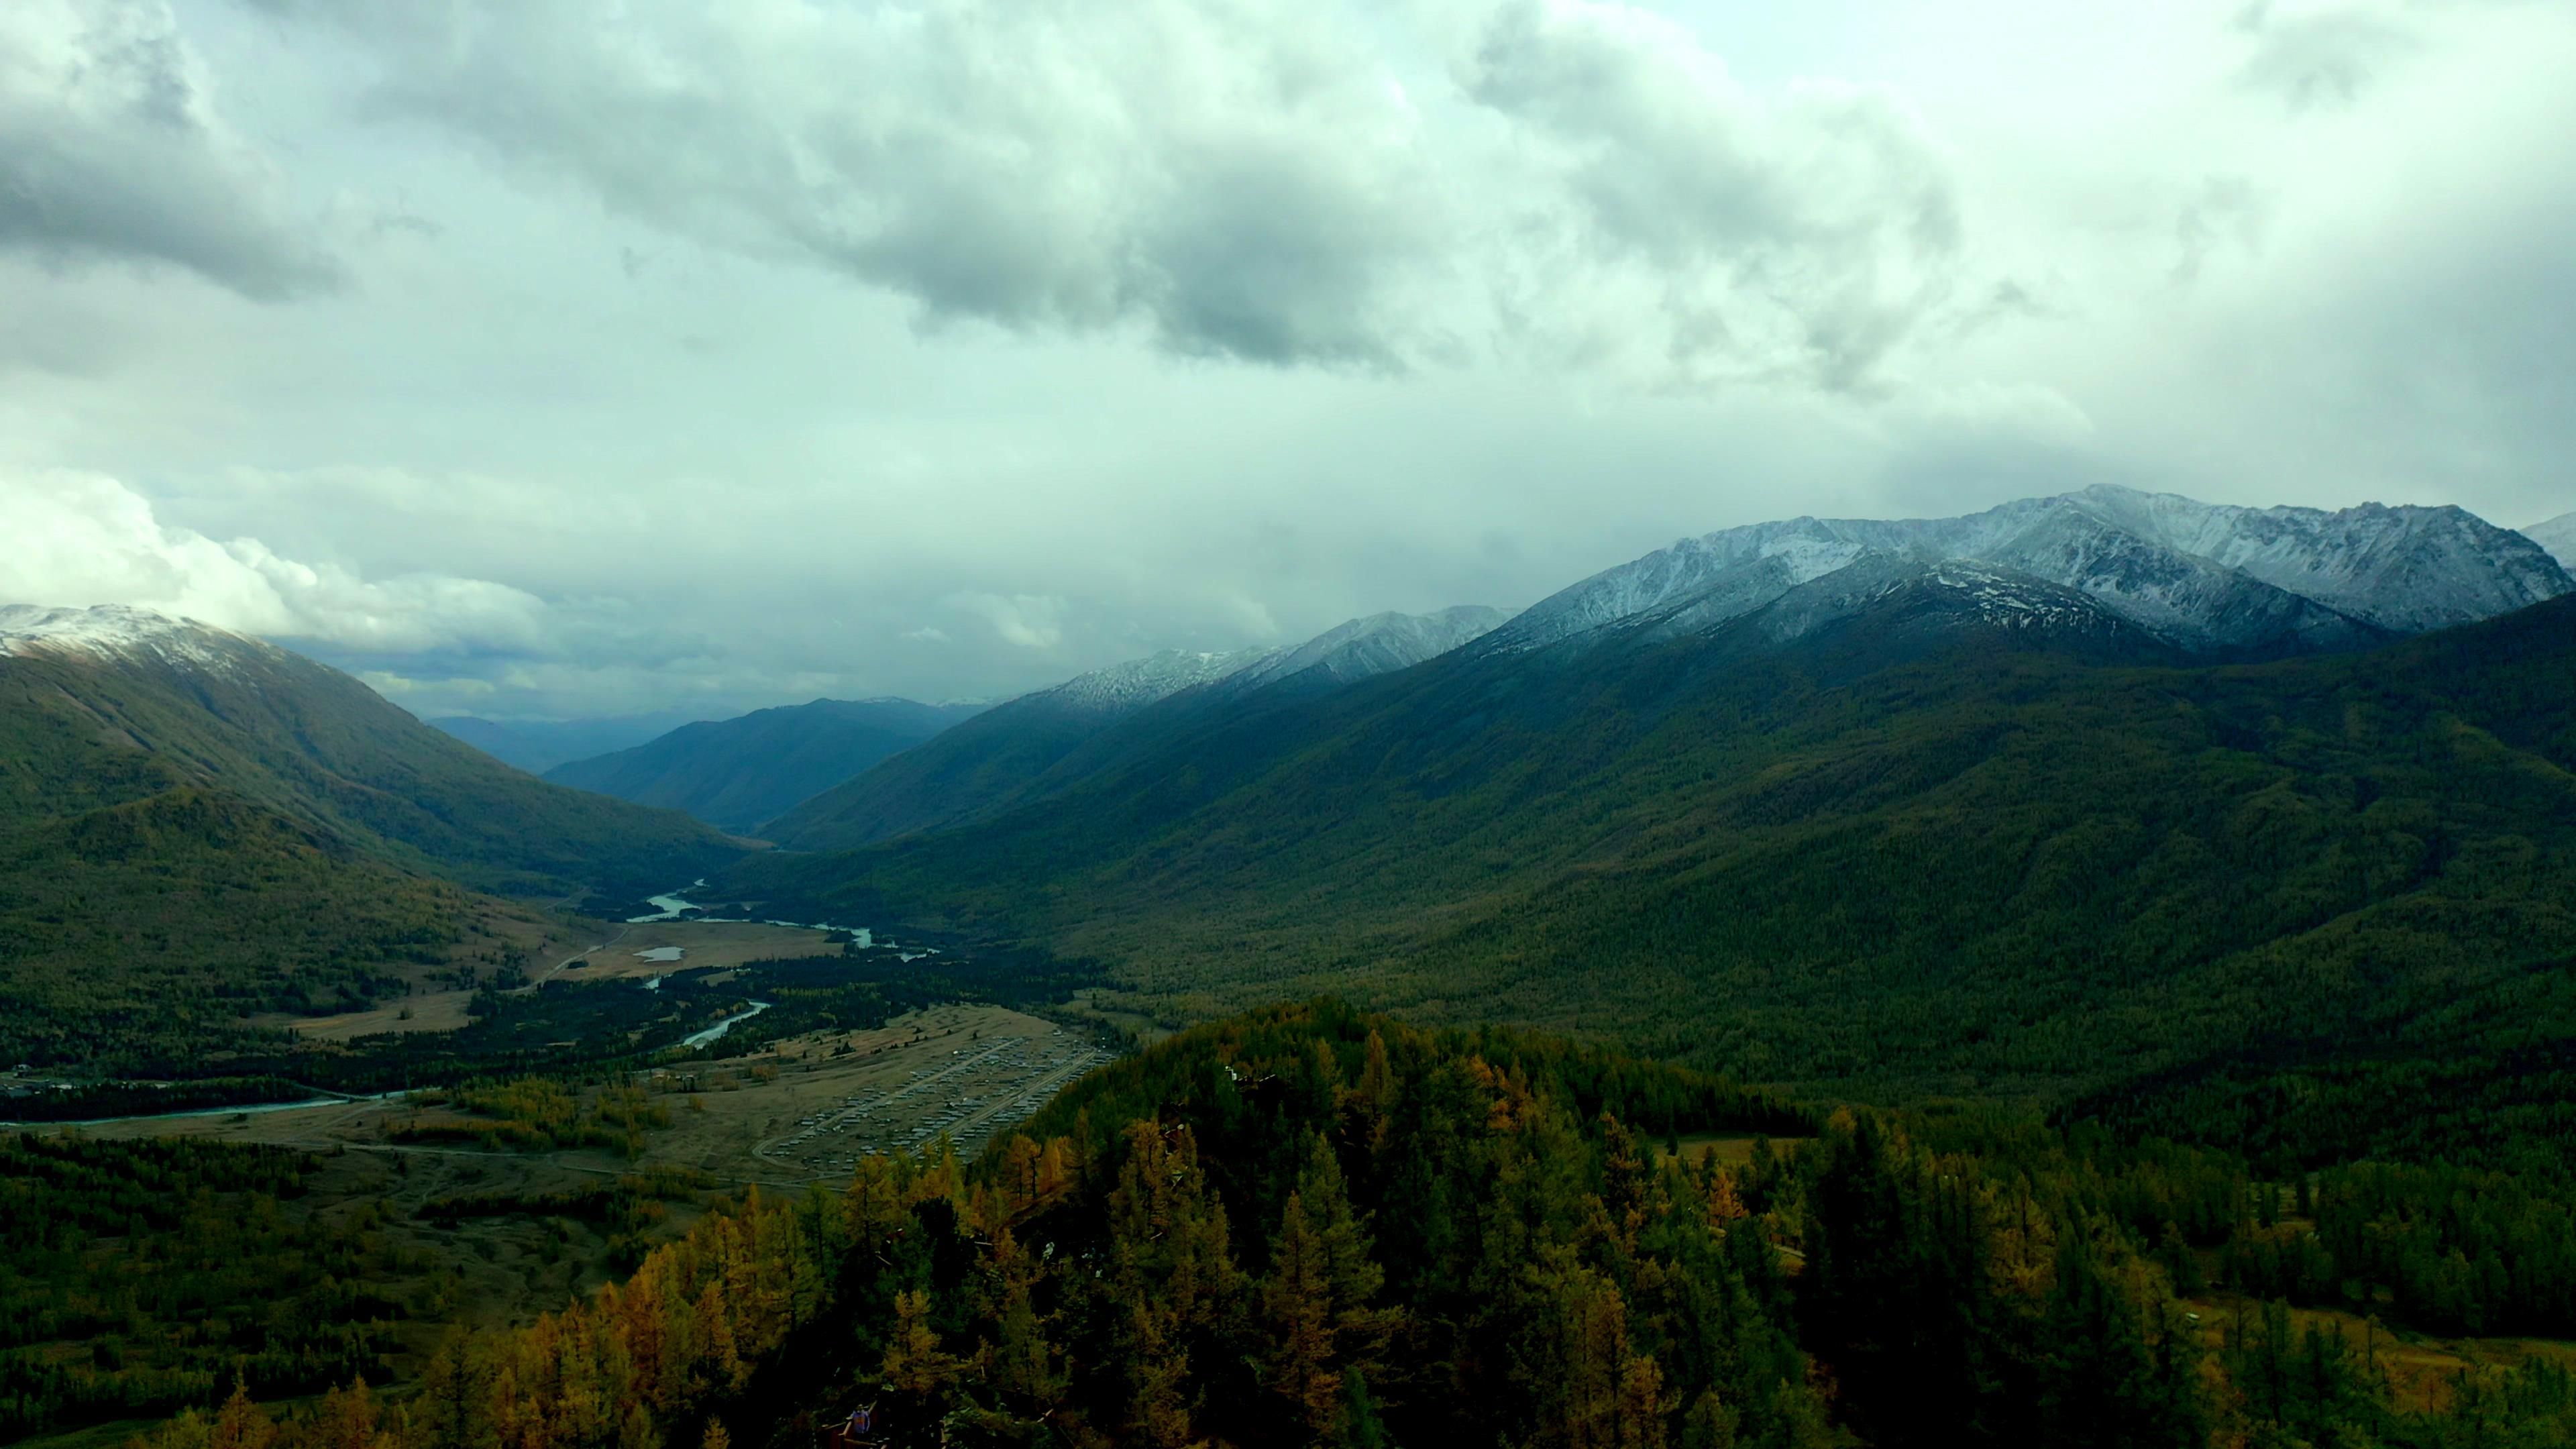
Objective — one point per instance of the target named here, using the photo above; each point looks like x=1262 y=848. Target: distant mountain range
x=2155 y=576
x=196 y=825
x=537 y=746
x=2213 y=580
x=741 y=773
x=2108 y=794
x=2040 y=800
x=1040 y=744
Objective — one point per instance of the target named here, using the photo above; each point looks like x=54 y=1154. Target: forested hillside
x=1044 y=744
x=313 y=744
x=742 y=773
x=2321 y=905
x=199 y=827
x=1308 y=1226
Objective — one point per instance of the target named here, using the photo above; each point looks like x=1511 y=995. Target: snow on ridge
x=2407 y=567
x=1140 y=682
x=2198 y=573
x=1350 y=651
x=1377 y=644
x=2558 y=536
x=118 y=632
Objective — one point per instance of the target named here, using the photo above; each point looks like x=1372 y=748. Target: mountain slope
x=1040 y=743
x=1891 y=842
x=537 y=746
x=2558 y=535
x=163 y=703
x=2221 y=581
x=197 y=826
x=741 y=773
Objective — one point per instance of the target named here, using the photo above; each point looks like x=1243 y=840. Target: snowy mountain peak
x=1377 y=644
x=1123 y=688
x=1345 y=653
x=2206 y=577
x=2404 y=567
x=2558 y=535
x=116 y=632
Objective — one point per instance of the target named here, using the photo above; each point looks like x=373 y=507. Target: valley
x=2066 y=965
x=797 y=1111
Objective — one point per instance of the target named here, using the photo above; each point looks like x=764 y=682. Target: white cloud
x=84 y=538
x=752 y=334
x=1804 y=234
x=111 y=149
x=1270 y=180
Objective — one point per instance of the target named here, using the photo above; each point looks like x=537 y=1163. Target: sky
x=569 y=358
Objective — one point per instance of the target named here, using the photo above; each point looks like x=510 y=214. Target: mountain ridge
x=2213 y=578
x=1905 y=838
x=197 y=825
x=741 y=773
x=1038 y=743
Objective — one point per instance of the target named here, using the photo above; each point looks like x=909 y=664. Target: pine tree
x=241 y=1423
x=914 y=1363
x=1297 y=1312
x=345 y=1419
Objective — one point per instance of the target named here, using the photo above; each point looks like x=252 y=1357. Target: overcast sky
x=538 y=358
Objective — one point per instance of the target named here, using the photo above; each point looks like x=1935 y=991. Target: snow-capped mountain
x=115 y=705
x=1378 y=644
x=1345 y=654
x=2204 y=577
x=121 y=634
x=1125 y=688
x=2558 y=536
x=1903 y=595
x=1030 y=746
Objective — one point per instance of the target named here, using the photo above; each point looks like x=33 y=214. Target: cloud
x=2319 y=57
x=83 y=538
x=1245 y=189
x=1810 y=233
x=1269 y=181
x=1024 y=620
x=111 y=149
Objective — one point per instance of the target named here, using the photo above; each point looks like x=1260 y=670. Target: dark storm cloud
x=1246 y=192
x=111 y=149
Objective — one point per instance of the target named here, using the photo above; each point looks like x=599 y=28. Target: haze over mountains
x=537 y=746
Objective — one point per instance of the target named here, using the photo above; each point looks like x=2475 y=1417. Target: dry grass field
x=963 y=1069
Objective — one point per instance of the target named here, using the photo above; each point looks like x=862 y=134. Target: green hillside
x=974 y=770
x=1972 y=863
x=190 y=843
x=742 y=773
x=315 y=745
